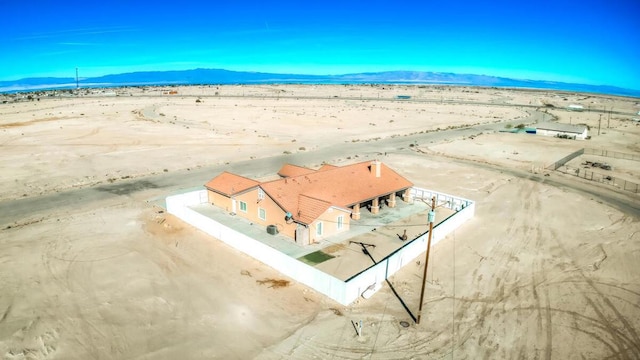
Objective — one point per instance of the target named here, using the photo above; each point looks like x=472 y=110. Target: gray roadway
x=23 y=210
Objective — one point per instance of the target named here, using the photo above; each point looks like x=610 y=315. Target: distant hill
x=220 y=76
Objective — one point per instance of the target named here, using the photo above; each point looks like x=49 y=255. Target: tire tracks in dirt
x=626 y=341
x=625 y=337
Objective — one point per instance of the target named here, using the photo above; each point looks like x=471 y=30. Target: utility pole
x=609 y=119
x=431 y=218
x=599 y=121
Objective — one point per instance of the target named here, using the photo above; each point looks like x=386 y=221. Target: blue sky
x=590 y=42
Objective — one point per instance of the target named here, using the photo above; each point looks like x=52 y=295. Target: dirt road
x=21 y=211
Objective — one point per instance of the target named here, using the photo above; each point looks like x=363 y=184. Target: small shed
x=568 y=131
x=574 y=107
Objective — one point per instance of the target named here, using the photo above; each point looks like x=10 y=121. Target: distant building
x=308 y=205
x=576 y=132
x=574 y=107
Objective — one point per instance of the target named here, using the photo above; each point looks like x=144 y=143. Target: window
x=260 y=194
x=340 y=222
x=319 y=228
x=262 y=214
x=243 y=206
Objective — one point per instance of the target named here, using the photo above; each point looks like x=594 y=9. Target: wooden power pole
x=431 y=218
x=599 y=121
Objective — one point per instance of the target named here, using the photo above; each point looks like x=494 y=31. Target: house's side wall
x=219 y=200
x=584 y=135
x=546 y=132
x=274 y=213
x=329 y=221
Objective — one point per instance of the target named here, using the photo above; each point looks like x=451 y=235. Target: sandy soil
x=546 y=269
x=102 y=139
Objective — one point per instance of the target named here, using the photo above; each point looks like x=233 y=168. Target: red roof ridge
x=326 y=167
x=228 y=183
x=291 y=170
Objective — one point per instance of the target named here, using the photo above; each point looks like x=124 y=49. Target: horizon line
x=320 y=75
x=13 y=83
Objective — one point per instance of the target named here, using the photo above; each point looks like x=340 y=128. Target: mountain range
x=222 y=77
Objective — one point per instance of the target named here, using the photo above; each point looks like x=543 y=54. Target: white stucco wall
x=546 y=132
x=297 y=270
x=338 y=290
x=389 y=266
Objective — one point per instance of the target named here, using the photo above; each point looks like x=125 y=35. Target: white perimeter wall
x=338 y=290
x=322 y=282
x=388 y=266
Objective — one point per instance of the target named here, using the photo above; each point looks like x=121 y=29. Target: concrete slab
x=384 y=230
x=349 y=257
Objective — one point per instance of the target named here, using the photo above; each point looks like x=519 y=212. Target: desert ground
x=92 y=267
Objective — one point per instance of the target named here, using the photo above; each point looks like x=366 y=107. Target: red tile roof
x=342 y=186
x=309 y=209
x=230 y=184
x=310 y=193
x=289 y=170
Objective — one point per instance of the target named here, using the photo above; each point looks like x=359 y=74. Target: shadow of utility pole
x=404 y=305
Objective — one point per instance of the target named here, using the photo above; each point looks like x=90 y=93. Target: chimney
x=375 y=168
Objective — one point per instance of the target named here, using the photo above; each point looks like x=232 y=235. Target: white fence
x=401 y=257
x=344 y=292
x=322 y=282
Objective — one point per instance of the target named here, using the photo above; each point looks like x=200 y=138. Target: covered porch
x=375 y=204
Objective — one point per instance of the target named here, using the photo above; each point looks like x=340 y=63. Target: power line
x=375 y=225
x=432 y=215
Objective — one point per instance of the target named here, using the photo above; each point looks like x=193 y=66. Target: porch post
x=355 y=215
x=375 y=206
x=406 y=196
x=392 y=200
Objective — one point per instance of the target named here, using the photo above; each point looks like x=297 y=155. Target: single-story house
x=308 y=205
x=562 y=130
